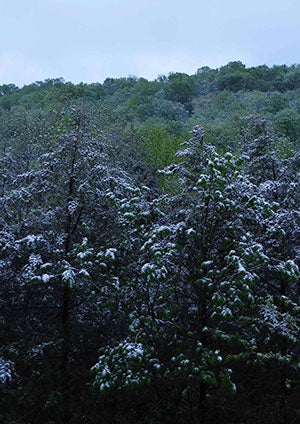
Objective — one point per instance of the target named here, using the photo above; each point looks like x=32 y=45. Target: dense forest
x=150 y=249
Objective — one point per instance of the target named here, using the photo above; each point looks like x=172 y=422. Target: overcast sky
x=90 y=40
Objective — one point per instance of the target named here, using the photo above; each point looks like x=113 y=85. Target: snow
x=105 y=385
x=85 y=253
x=110 y=253
x=31 y=240
x=84 y=272
x=5 y=371
x=226 y=313
x=152 y=270
x=147 y=268
x=105 y=371
x=46 y=278
x=35 y=260
x=162 y=229
x=241 y=267
x=72 y=207
x=69 y=276
x=134 y=350
x=207 y=263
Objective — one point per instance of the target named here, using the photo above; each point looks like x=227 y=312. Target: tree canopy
x=150 y=249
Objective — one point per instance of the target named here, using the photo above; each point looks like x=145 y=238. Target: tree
x=287 y=122
x=204 y=295
x=55 y=217
x=180 y=88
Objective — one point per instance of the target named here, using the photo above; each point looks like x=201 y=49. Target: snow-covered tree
x=204 y=305
x=61 y=232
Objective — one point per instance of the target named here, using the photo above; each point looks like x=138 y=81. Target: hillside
x=150 y=249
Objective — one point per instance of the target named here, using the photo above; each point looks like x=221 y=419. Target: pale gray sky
x=90 y=40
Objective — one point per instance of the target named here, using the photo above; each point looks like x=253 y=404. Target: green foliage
x=276 y=102
x=287 y=122
x=140 y=296
x=180 y=88
x=160 y=146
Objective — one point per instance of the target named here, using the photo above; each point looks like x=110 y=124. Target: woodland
x=150 y=249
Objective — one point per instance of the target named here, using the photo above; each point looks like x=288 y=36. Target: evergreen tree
x=55 y=218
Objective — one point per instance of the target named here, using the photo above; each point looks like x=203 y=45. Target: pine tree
x=57 y=218
x=204 y=311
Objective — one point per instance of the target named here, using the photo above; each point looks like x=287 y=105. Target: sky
x=91 y=40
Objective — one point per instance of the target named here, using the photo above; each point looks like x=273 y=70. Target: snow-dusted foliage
x=122 y=366
x=63 y=240
x=6 y=371
x=177 y=294
x=214 y=283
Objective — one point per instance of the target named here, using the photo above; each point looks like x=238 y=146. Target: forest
x=150 y=249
